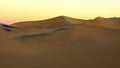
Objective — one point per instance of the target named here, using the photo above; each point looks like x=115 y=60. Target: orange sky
x=22 y=10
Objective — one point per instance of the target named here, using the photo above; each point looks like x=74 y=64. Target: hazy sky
x=21 y=10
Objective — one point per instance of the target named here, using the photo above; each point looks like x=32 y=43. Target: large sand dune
x=61 y=42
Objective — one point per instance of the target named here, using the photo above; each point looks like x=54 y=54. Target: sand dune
x=5 y=30
x=61 y=42
x=113 y=23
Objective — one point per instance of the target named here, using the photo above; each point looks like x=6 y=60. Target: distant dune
x=61 y=42
x=64 y=20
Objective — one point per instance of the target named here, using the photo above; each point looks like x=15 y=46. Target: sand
x=61 y=42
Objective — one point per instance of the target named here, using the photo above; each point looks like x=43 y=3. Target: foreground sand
x=63 y=45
